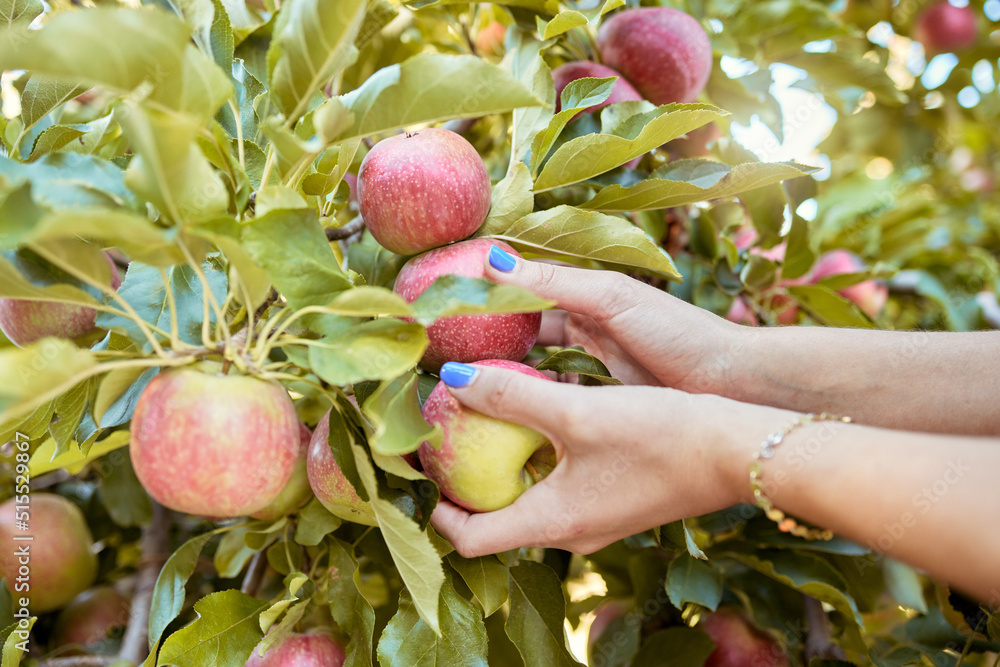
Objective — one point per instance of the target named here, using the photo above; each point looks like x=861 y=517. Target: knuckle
x=503 y=394
x=547 y=278
x=615 y=298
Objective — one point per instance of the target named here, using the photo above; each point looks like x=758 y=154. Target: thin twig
x=255 y=574
x=347 y=231
x=155 y=549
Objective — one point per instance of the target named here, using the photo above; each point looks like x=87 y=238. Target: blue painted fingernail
x=501 y=260
x=455 y=374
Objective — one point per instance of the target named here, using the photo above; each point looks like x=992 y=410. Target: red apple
x=352 y=182
x=25 y=321
x=621 y=91
x=214 y=445
x=58 y=563
x=466 y=337
x=738 y=643
x=489 y=41
x=423 y=189
x=327 y=480
x=943 y=27
x=870 y=295
x=297 y=491
x=483 y=463
x=663 y=52
x=89 y=622
x=309 y=650
x=695 y=143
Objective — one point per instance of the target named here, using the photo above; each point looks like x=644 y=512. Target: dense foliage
x=202 y=146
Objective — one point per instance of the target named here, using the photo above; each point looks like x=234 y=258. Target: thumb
x=599 y=294
x=533 y=401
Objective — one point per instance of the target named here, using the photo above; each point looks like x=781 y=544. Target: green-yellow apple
x=483 y=463
x=312 y=649
x=58 y=562
x=24 y=321
x=466 y=338
x=663 y=52
x=328 y=482
x=738 y=643
x=214 y=445
x=297 y=492
x=943 y=27
x=91 y=622
x=423 y=189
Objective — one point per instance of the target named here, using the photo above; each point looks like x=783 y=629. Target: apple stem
x=533 y=471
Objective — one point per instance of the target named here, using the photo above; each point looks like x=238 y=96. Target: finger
x=553 y=331
x=600 y=294
x=531 y=400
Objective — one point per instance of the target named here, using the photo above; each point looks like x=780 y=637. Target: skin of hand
x=643 y=335
x=632 y=458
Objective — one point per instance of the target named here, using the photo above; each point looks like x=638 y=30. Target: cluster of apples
x=870 y=295
x=424 y=192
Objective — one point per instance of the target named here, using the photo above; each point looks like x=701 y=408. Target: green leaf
x=224 y=634
x=376 y=350
x=19 y=13
x=291 y=248
x=377 y=265
x=486 y=577
x=408 y=641
x=70 y=181
x=41 y=96
x=367 y=301
x=413 y=553
x=313 y=41
x=799 y=256
x=534 y=74
x=458 y=295
x=69 y=407
x=675 y=647
x=145 y=290
x=689 y=181
x=576 y=97
x=46 y=459
x=315 y=522
x=52 y=139
x=349 y=608
x=563 y=22
x=569 y=231
x=537 y=610
x=693 y=580
x=628 y=137
x=904 y=584
x=845 y=70
x=121 y=493
x=15 y=645
x=828 y=307
x=38 y=373
x=168 y=594
x=431 y=87
x=394 y=411
x=512 y=198
x=233 y=553
x=574 y=360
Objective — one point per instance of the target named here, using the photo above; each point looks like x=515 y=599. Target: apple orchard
x=240 y=240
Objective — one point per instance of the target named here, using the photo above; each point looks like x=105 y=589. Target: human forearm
x=936 y=382
x=916 y=497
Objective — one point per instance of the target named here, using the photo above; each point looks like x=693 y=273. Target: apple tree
x=208 y=381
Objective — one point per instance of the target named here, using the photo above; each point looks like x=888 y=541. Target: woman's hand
x=630 y=458
x=643 y=335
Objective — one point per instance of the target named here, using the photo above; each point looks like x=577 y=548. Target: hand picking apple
x=634 y=457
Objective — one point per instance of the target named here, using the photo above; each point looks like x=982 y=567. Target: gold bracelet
x=786 y=524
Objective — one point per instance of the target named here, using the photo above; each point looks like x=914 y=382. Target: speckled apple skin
x=663 y=52
x=308 y=650
x=297 y=492
x=738 y=644
x=870 y=295
x=328 y=481
x=943 y=27
x=24 y=322
x=480 y=464
x=63 y=563
x=622 y=91
x=423 y=189
x=466 y=338
x=87 y=621
x=214 y=445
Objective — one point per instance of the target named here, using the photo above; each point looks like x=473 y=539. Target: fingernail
x=455 y=374
x=501 y=260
